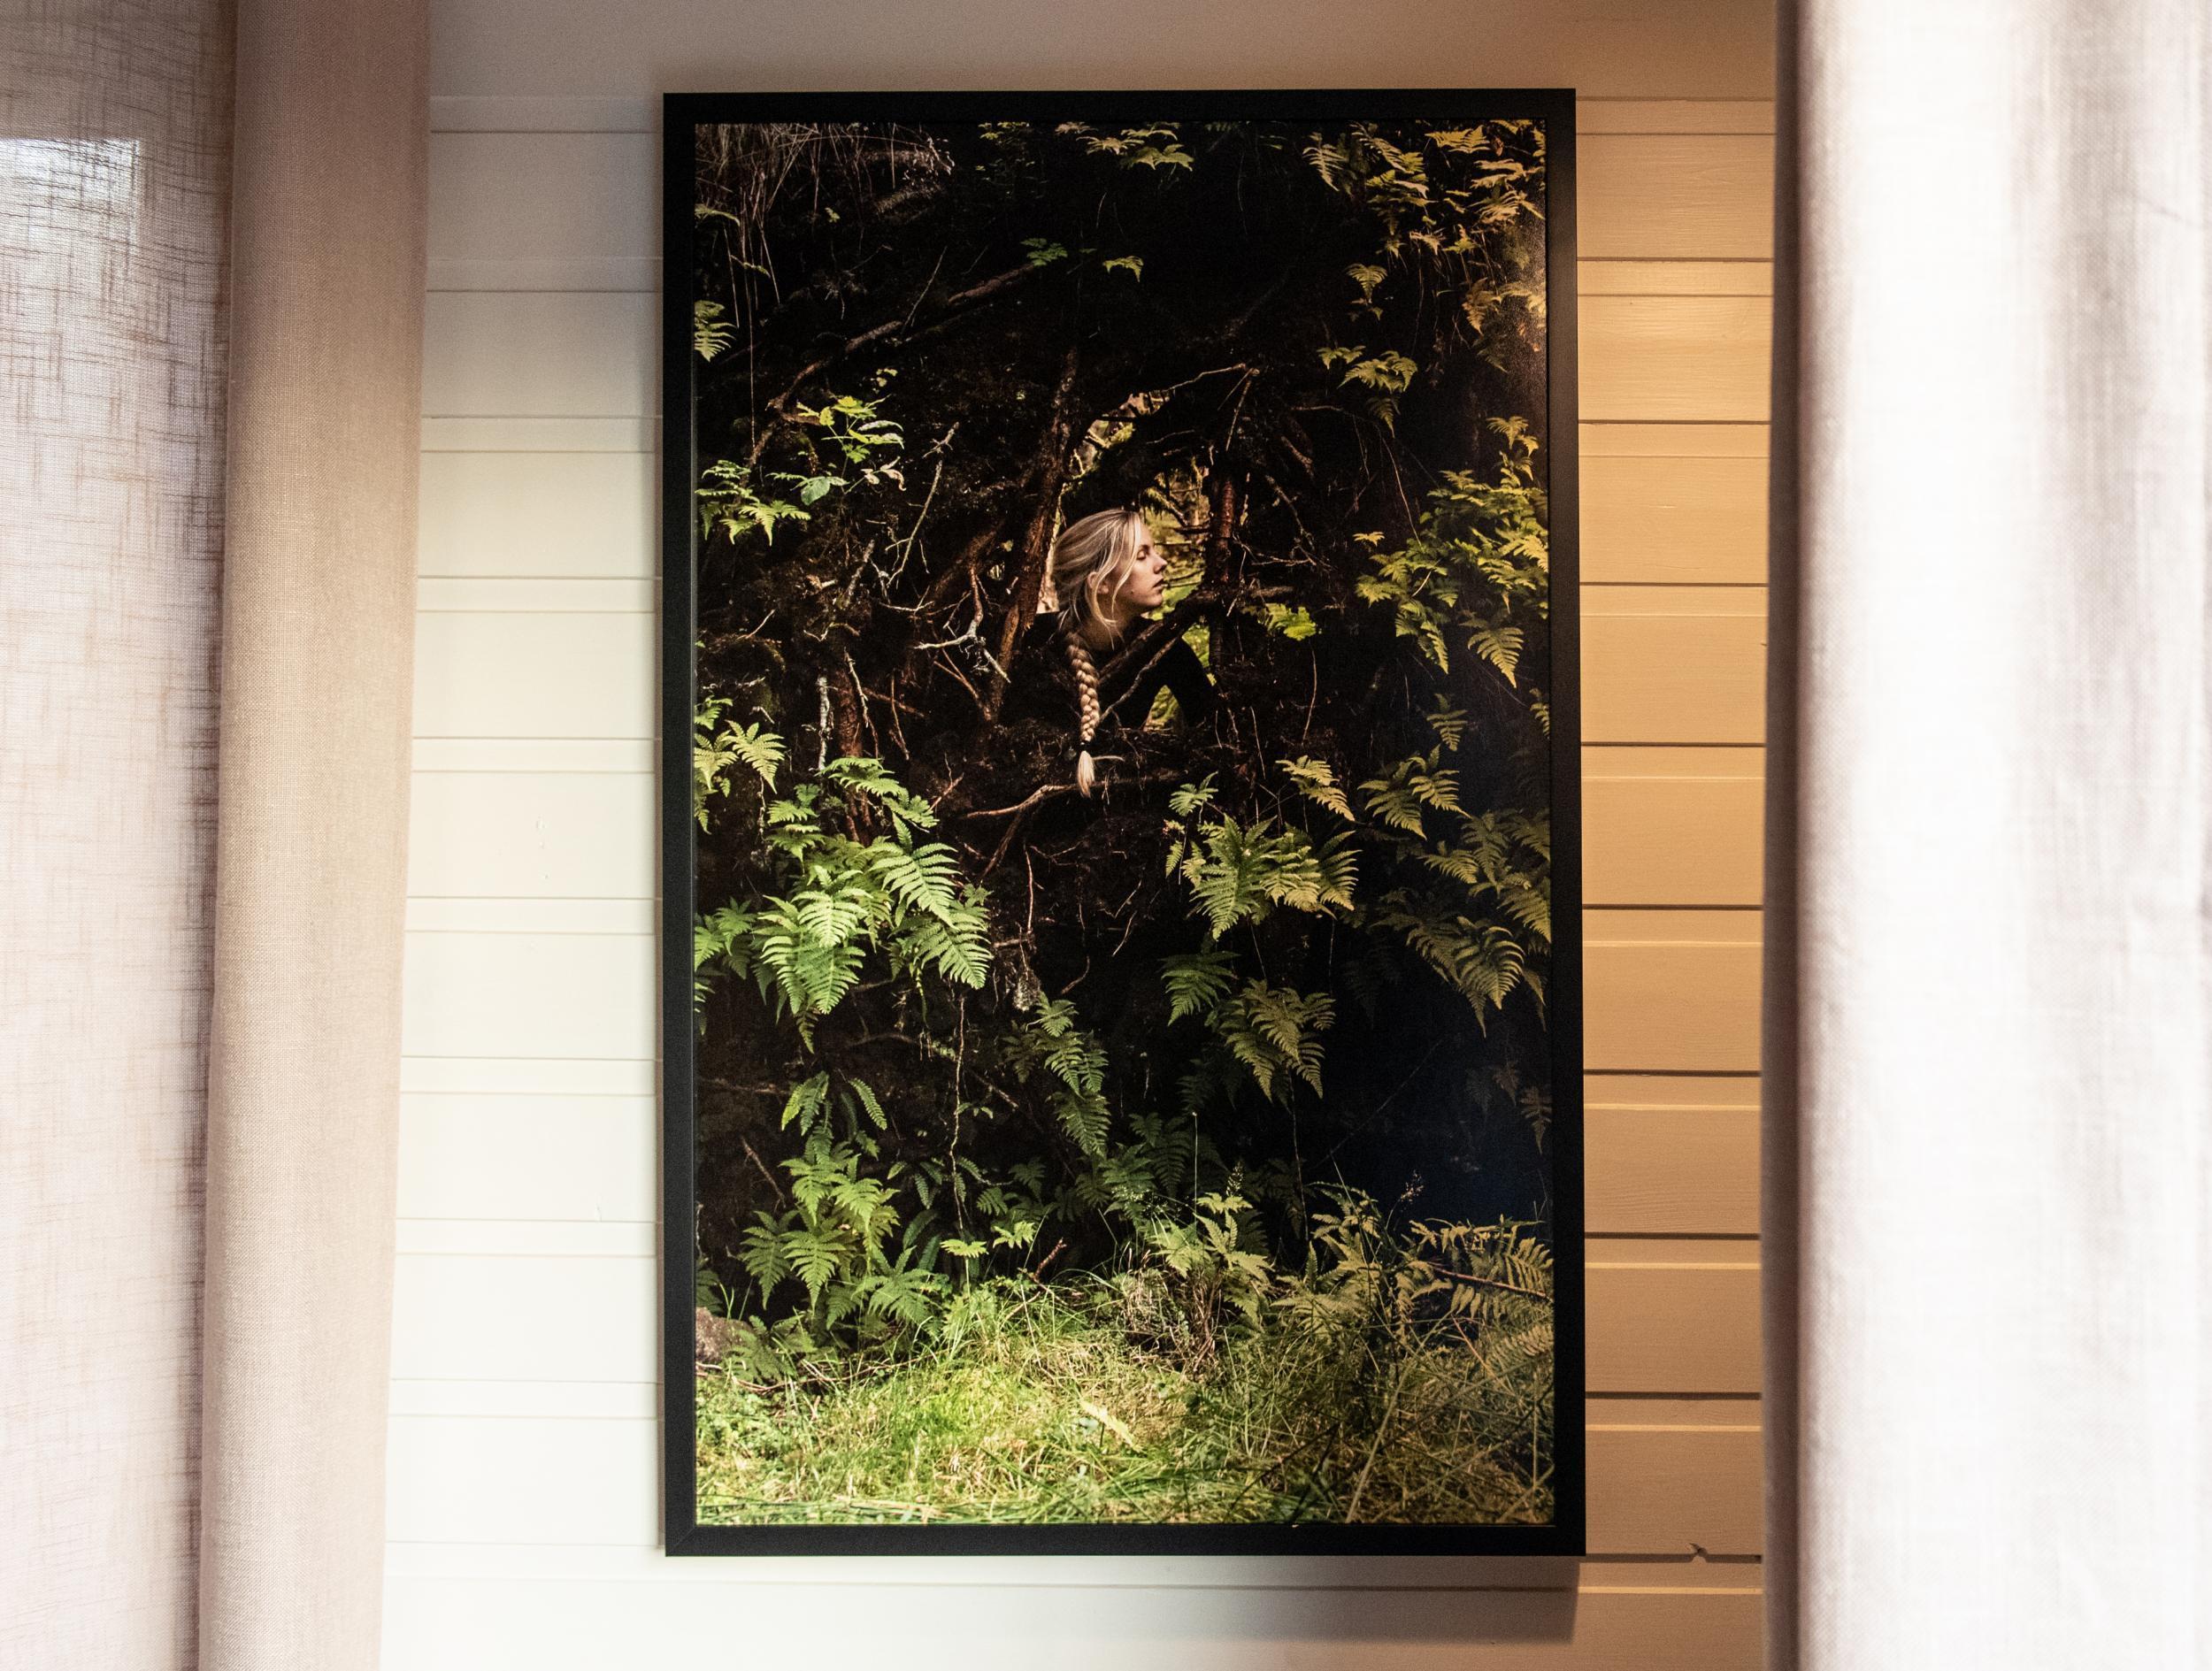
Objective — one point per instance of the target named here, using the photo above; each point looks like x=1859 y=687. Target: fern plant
x=839 y=899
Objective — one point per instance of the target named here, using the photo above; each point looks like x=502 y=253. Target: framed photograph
x=1122 y=985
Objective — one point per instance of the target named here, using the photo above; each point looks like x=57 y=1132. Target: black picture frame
x=683 y=1533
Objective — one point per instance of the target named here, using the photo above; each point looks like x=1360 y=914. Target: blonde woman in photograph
x=1106 y=573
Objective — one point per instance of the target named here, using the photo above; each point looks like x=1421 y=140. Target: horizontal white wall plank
x=547 y=674
x=462 y=114
x=540 y=355
x=524 y=434
x=538 y=514
x=433 y=1624
x=543 y=196
x=542 y=48
x=534 y=594
x=532 y=834
x=525 y=1317
x=550 y=996
x=528 y=1076
x=481 y=1156
x=609 y=755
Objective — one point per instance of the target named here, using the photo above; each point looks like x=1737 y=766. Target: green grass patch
x=1097 y=1400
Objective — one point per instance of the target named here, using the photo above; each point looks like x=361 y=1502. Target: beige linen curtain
x=1989 y=1044
x=211 y=222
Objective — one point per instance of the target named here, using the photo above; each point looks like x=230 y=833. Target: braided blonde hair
x=1092 y=561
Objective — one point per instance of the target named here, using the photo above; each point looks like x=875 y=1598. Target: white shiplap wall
x=524 y=1471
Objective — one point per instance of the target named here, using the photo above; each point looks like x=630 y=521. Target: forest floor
x=1046 y=1406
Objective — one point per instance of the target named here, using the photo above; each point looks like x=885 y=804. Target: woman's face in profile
x=1147 y=575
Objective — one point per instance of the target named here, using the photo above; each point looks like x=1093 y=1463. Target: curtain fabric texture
x=212 y=229
x=1989 y=1041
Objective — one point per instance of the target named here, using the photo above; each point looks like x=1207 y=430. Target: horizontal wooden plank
x=538 y=514
x=1695 y=196
x=1670 y=991
x=1673 y=664
x=595 y=1481
x=518 y=1239
x=1676 y=359
x=1670 y=1171
x=1674 y=520
x=960 y=1623
x=1694 y=1491
x=1618 y=440
x=1624 y=278
x=544 y=115
x=1690 y=836
x=1670 y=1091
x=1673 y=116
x=1657 y=1331
x=550 y=1157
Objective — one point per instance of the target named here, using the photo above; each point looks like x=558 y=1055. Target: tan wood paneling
x=1670 y=991
x=1681 y=196
x=1655 y=1330
x=1691 y=1489
x=1671 y=1171
x=1620 y=277
x=1673 y=664
x=1672 y=826
x=1675 y=358
x=1669 y=116
x=1616 y=439
x=1677 y=521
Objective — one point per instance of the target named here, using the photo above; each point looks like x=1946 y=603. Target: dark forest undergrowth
x=1089 y=1399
